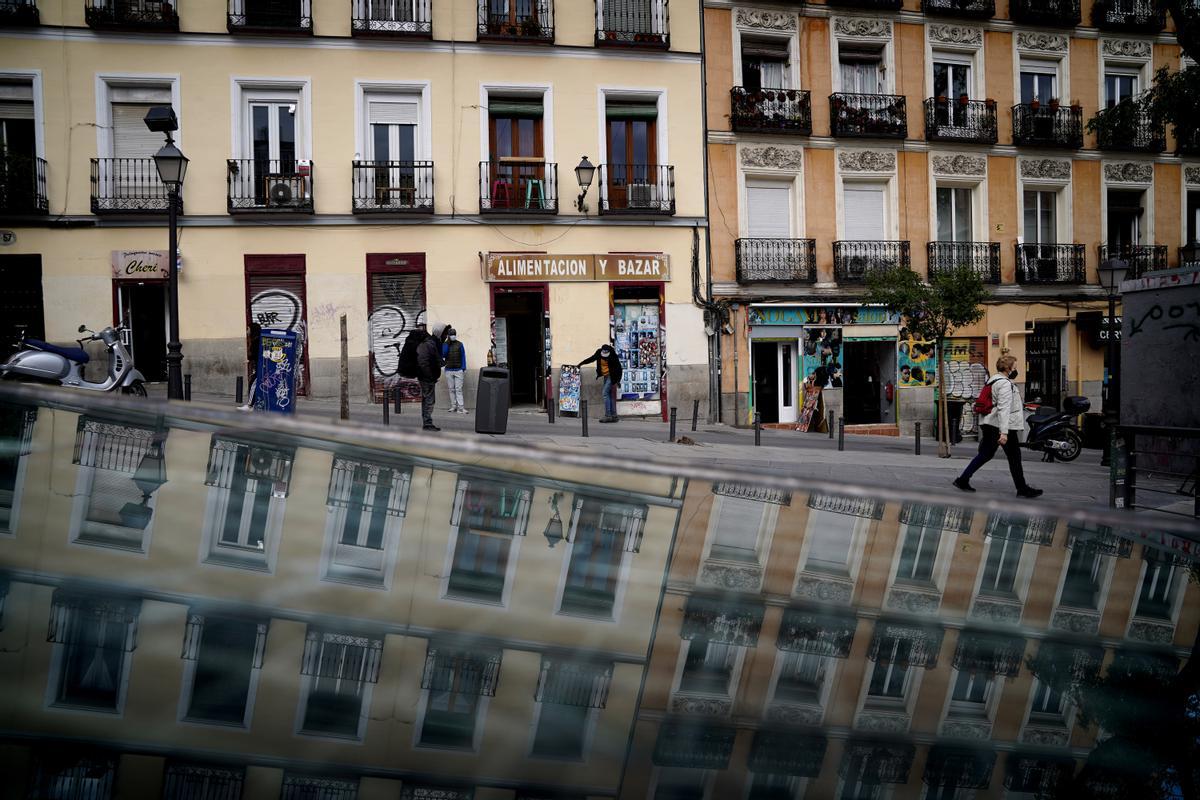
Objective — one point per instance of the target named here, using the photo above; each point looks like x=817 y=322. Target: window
x=273 y=146
x=64 y=773
x=1048 y=703
x=226 y=655
x=120 y=468
x=601 y=532
x=1041 y=216
x=366 y=504
x=17 y=136
x=340 y=670
x=1193 y=217
x=1156 y=595
x=801 y=677
x=768 y=209
x=486 y=515
x=1119 y=85
x=708 y=667
x=774 y=786
x=1000 y=567
x=318 y=787
x=1039 y=81
x=202 y=782
x=16 y=432
x=393 y=151
x=517 y=164
x=560 y=731
x=455 y=681
x=861 y=69
x=94 y=636
x=245 y=502
x=128 y=137
x=1124 y=218
x=632 y=175
x=918 y=554
x=738 y=529
x=972 y=689
x=951 y=81
x=865 y=206
x=566 y=693
x=1081 y=589
x=765 y=64
x=830 y=536
x=953 y=214
x=889 y=679
x=679 y=783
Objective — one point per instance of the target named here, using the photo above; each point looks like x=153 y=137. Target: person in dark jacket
x=429 y=369
x=608 y=369
x=454 y=357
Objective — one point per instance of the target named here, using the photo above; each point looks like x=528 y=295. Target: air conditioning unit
x=641 y=195
x=286 y=191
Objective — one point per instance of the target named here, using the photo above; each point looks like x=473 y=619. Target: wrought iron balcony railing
x=270 y=185
x=18 y=13
x=132 y=15
x=971 y=9
x=127 y=186
x=633 y=23
x=517 y=20
x=1128 y=16
x=1126 y=127
x=1141 y=258
x=868 y=115
x=982 y=257
x=381 y=187
x=1048 y=125
x=1189 y=255
x=770 y=111
x=871 y=5
x=854 y=260
x=1051 y=264
x=1045 y=13
x=777 y=260
x=391 y=18
x=270 y=16
x=637 y=189
x=22 y=184
x=513 y=186
x=953 y=120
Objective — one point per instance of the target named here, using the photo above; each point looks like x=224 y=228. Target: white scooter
x=41 y=362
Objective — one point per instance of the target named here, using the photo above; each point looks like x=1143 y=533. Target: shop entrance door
x=520 y=337
x=1043 y=364
x=20 y=301
x=143 y=307
x=863 y=381
x=775 y=389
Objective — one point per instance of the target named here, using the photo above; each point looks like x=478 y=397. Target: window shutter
x=864 y=210
x=130 y=136
x=631 y=111
x=396 y=301
x=528 y=109
x=737 y=527
x=16 y=109
x=278 y=301
x=766 y=48
x=393 y=112
x=769 y=212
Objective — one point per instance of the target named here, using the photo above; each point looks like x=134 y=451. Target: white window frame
x=1139 y=66
x=792 y=38
x=1042 y=61
x=792 y=181
x=974 y=712
x=34 y=77
x=891 y=221
x=705 y=777
x=1104 y=582
x=84 y=483
x=629 y=94
x=501 y=90
x=1146 y=224
x=622 y=572
x=766 y=529
x=52 y=703
x=364 y=716
x=188 y=685
x=1021 y=578
x=481 y=708
x=589 y=734
x=887 y=55
x=335 y=571
x=854 y=560
x=978 y=184
x=941 y=560
x=212 y=551
x=1065 y=222
x=891 y=705
x=1178 y=588
x=417 y=91
x=822 y=700
x=735 y=670
x=247 y=90
x=14 y=514
x=107 y=81
x=1065 y=722
x=969 y=55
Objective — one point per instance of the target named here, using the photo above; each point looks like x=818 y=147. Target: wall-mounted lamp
x=583 y=174
x=554 y=528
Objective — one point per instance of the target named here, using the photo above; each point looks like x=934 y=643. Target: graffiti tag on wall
x=398 y=307
x=281 y=309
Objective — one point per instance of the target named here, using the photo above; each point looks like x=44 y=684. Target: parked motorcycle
x=41 y=362
x=1054 y=432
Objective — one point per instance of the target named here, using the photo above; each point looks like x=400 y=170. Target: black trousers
x=989 y=441
x=427 y=400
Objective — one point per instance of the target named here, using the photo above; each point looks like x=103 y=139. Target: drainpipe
x=1026 y=332
x=714 y=342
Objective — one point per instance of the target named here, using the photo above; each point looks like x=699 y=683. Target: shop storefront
x=139 y=279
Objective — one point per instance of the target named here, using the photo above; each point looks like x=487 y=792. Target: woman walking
x=1000 y=428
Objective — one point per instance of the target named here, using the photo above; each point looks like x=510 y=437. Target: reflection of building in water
x=214 y=615
x=815 y=646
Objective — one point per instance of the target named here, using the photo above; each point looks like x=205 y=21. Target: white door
x=789 y=403
x=768 y=210
x=864 y=212
x=391 y=145
x=953 y=214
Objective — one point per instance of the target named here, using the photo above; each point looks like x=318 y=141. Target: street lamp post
x=1112 y=272
x=171 y=164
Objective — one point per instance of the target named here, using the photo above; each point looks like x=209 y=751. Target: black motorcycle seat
x=1043 y=415
x=73 y=353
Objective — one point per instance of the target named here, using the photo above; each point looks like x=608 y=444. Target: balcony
x=970 y=9
x=18 y=13
x=1049 y=126
x=22 y=185
x=527 y=21
x=1128 y=128
x=776 y=260
x=1189 y=256
x=633 y=23
x=854 y=260
x=412 y=18
x=1128 y=16
x=637 y=189
x=1045 y=13
x=131 y=15
x=869 y=5
x=982 y=257
x=127 y=186
x=517 y=186
x=1051 y=264
x=270 y=186
x=1187 y=141
x=880 y=116
x=960 y=120
x=382 y=187
x=787 y=111
x=278 y=17
x=1141 y=258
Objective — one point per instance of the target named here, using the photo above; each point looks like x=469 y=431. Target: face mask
x=1013 y=375
x=606 y=353
x=453 y=338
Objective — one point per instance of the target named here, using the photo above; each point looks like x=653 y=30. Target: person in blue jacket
x=454 y=356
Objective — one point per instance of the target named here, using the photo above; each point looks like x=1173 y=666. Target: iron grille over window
x=74 y=775
x=411 y=792
x=358 y=484
x=722 y=620
x=307 y=787
x=686 y=744
x=633 y=23
x=614 y=519
x=528 y=21
x=490 y=506
x=924 y=643
x=770 y=110
x=471 y=673
x=881 y=116
x=1128 y=16
x=227 y=458
x=1052 y=13
x=983 y=258
x=1047 y=126
x=1038 y=775
x=1036 y=530
x=70 y=612
x=853 y=506
x=571 y=683
x=854 y=259
x=1101 y=539
x=1166 y=558
x=22 y=178
x=1162 y=666
x=775 y=260
x=991 y=653
x=959 y=768
x=270 y=16
x=201 y=782
x=406 y=18
x=1060 y=664
x=108 y=445
x=946 y=518
x=16 y=429
x=748 y=492
x=877 y=762
x=805 y=631
x=958 y=120
x=1141 y=258
x=784 y=752
x=195 y=633
x=341 y=656
x=145 y=15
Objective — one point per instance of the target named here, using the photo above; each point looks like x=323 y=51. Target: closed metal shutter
x=396 y=302
x=279 y=301
x=130 y=136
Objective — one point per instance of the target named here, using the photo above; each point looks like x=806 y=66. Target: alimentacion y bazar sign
x=540 y=267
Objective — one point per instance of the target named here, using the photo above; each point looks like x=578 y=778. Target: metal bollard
x=399 y=402
x=550 y=411
x=671 y=438
x=917 y=438
x=757 y=430
x=187 y=387
x=583 y=416
x=237 y=392
x=841 y=433
x=386 y=407
x=695 y=413
x=830 y=423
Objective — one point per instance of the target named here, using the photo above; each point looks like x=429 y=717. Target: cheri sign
x=140 y=264
x=538 y=267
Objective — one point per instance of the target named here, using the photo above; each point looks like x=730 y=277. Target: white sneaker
x=450 y=410
x=243 y=408
x=463 y=411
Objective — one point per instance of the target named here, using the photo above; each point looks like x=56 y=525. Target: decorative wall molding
x=1045 y=42
x=996 y=611
x=1154 y=632
x=862 y=27
x=795 y=715
x=960 y=165
x=963 y=729
x=767 y=20
x=731 y=576
x=914 y=602
x=827 y=591
x=867 y=160
x=1075 y=621
x=773 y=157
x=1191 y=175
x=955 y=34
x=1126 y=48
x=1046 y=737
x=1129 y=172
x=1046 y=168
x=705 y=706
x=885 y=723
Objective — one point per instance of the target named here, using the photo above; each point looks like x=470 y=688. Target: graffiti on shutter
x=397 y=306
x=281 y=307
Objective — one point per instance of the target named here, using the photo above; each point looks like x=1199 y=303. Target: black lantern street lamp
x=1112 y=272
x=584 y=173
x=172 y=166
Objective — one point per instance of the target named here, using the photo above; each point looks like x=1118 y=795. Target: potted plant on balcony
x=1035 y=104
x=941 y=99
x=1054 y=104
x=963 y=99
x=990 y=104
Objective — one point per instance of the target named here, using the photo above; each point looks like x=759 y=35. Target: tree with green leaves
x=931 y=311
